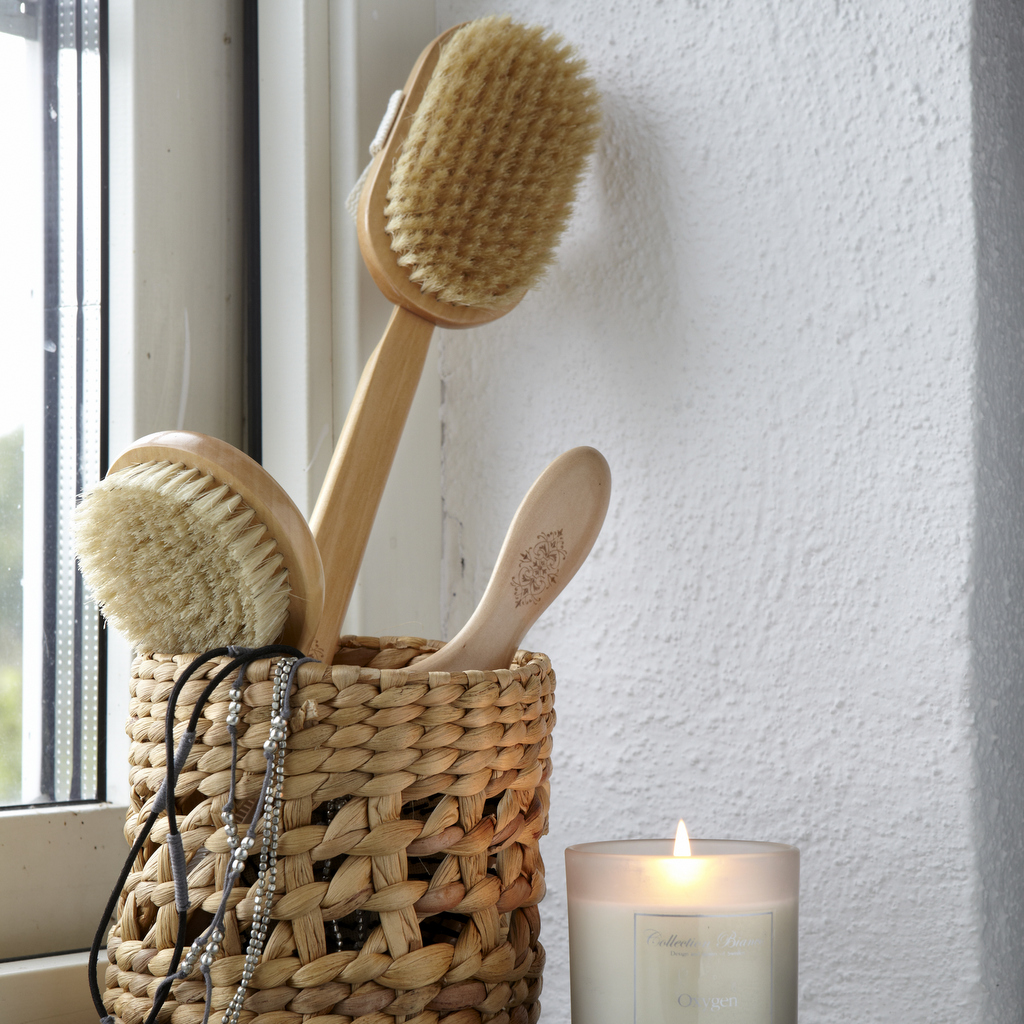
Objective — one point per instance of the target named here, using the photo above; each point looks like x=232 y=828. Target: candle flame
x=682 y=847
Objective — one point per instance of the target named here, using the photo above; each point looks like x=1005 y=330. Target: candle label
x=703 y=967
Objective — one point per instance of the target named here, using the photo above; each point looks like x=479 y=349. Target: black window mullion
x=51 y=391
x=251 y=186
x=101 y=697
x=75 y=792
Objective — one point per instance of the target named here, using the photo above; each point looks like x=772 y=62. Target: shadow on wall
x=997 y=606
x=624 y=280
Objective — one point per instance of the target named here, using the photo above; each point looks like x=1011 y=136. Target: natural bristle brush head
x=476 y=181
x=187 y=544
x=174 y=523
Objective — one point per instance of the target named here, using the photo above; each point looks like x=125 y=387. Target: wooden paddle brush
x=549 y=538
x=459 y=216
x=188 y=544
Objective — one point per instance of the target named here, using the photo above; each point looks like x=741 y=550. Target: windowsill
x=58 y=864
x=48 y=990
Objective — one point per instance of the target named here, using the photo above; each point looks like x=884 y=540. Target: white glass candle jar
x=660 y=939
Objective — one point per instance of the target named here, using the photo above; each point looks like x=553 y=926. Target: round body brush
x=459 y=216
x=188 y=544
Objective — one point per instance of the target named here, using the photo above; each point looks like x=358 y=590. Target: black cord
x=164 y=800
x=159 y=801
x=246 y=658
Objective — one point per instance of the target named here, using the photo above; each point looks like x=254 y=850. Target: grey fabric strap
x=188 y=738
x=176 y=848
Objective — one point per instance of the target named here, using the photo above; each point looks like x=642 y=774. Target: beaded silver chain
x=266 y=880
x=205 y=949
x=332 y=929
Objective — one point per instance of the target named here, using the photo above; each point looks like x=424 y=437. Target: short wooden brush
x=188 y=544
x=460 y=215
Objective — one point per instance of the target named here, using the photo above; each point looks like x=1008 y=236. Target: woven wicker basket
x=413 y=805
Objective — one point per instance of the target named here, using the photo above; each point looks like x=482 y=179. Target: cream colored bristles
x=488 y=171
x=177 y=562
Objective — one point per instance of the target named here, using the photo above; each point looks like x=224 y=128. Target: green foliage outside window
x=11 y=485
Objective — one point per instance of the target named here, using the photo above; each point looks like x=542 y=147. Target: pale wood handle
x=359 y=468
x=548 y=540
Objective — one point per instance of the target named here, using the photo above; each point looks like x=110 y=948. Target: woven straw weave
x=413 y=805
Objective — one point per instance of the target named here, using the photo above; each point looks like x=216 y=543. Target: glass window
x=52 y=407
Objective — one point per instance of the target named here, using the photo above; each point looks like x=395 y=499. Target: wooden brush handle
x=548 y=540
x=359 y=468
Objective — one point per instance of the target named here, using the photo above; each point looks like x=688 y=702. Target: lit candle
x=703 y=931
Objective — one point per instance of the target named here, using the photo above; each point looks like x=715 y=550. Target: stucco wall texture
x=771 y=313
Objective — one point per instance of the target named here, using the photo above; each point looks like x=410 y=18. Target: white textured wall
x=766 y=314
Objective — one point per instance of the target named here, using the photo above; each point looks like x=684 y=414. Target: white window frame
x=61 y=861
x=172 y=318
x=327 y=69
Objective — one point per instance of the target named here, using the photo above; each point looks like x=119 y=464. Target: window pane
x=51 y=413
x=21 y=298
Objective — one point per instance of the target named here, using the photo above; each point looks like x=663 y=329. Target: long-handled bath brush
x=188 y=544
x=549 y=538
x=459 y=216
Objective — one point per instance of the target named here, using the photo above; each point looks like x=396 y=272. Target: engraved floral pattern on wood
x=538 y=567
